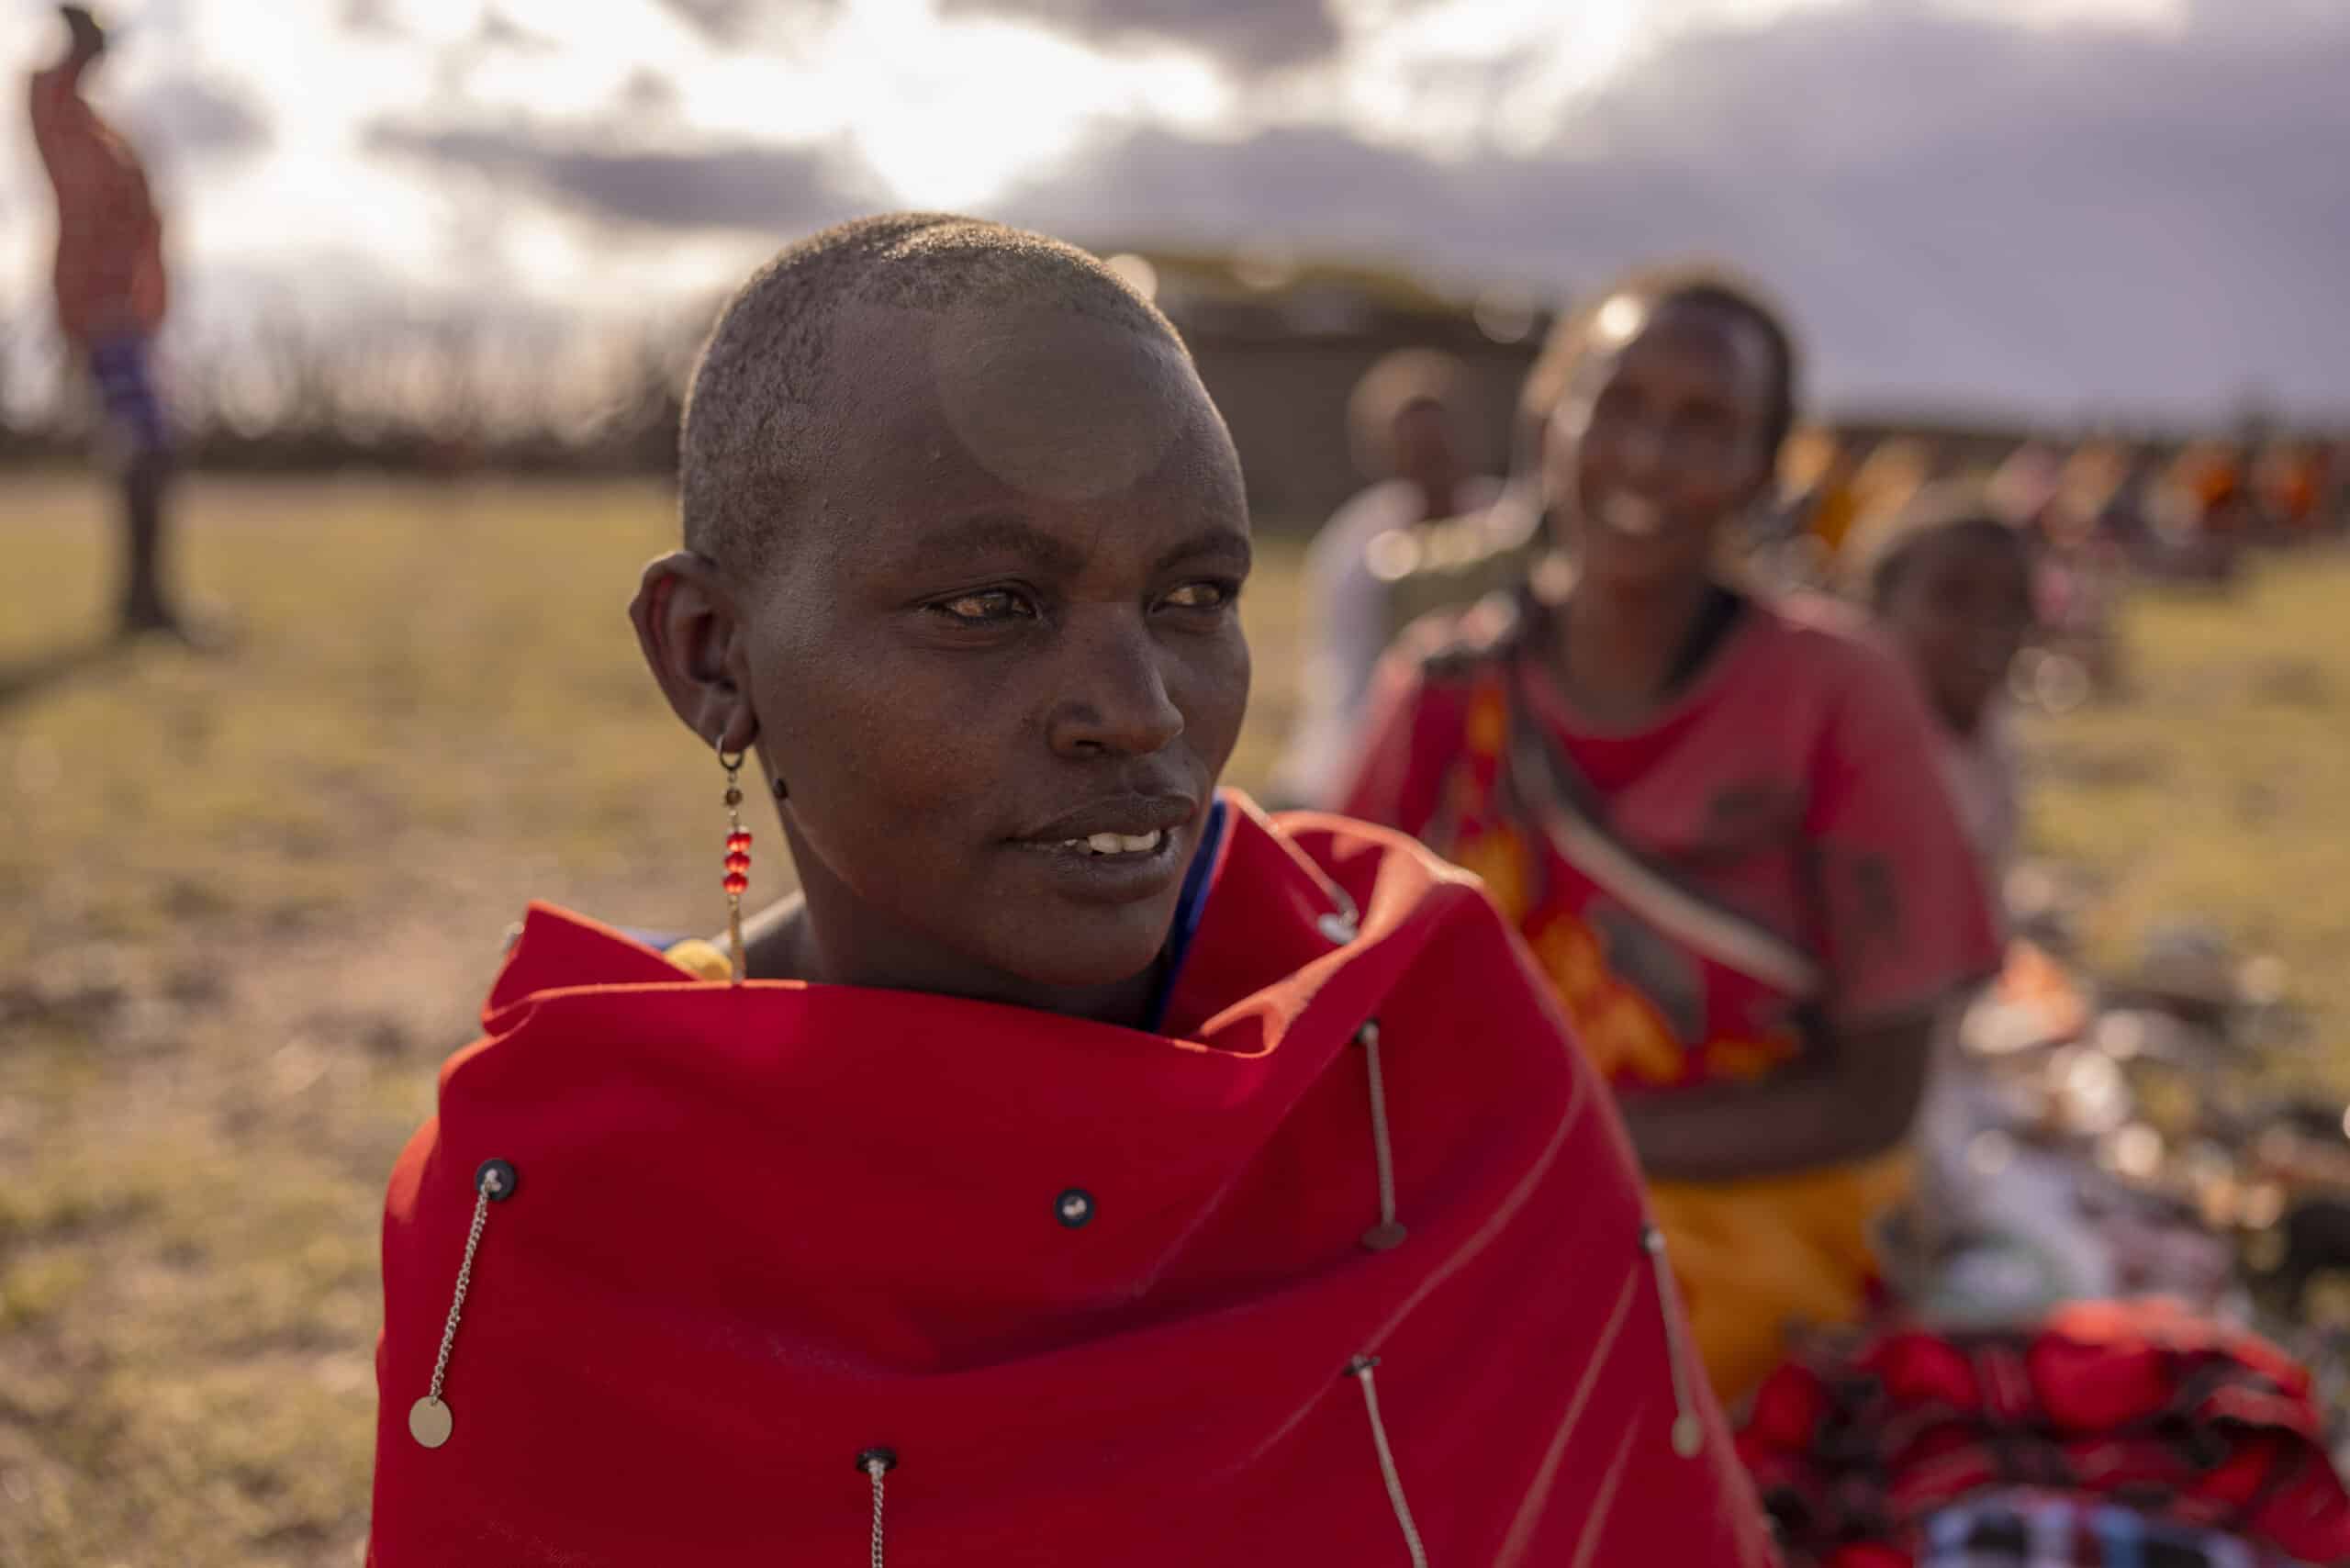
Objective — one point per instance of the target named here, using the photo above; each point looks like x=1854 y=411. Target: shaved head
x=1004 y=533
x=778 y=379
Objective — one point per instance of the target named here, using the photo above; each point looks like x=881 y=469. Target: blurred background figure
x=112 y=293
x=1893 y=471
x=2215 y=506
x=2289 y=480
x=1820 y=505
x=2081 y=565
x=2127 y=516
x=1949 y=581
x=1404 y=426
x=2025 y=482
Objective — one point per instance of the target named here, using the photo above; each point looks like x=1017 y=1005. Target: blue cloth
x=1191 y=907
x=123 y=369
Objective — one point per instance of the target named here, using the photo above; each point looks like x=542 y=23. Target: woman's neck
x=1616 y=652
x=784 y=943
x=1964 y=723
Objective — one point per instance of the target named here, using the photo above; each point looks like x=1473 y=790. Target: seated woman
x=1083 y=1168
x=1717 y=820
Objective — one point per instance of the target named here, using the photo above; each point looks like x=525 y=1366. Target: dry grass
x=246 y=905
x=2216 y=790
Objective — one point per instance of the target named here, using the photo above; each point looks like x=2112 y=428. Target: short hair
x=1657 y=287
x=1398 y=381
x=1886 y=548
x=763 y=393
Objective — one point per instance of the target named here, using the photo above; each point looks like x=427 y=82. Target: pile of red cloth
x=2141 y=1404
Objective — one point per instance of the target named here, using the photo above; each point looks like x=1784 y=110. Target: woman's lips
x=1111 y=844
x=1109 y=867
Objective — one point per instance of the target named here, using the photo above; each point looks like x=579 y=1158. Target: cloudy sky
x=2071 y=206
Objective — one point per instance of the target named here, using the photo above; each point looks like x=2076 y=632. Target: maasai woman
x=1084 y=1168
x=1717 y=820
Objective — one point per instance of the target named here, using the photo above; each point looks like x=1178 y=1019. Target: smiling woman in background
x=1717 y=820
x=1085 y=1168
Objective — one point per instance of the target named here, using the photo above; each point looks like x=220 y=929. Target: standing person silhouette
x=112 y=293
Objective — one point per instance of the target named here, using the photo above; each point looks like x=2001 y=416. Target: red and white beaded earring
x=738 y=856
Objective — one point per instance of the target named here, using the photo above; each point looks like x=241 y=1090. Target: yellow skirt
x=1760 y=1257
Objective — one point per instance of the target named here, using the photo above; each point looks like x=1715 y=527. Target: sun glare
x=955 y=111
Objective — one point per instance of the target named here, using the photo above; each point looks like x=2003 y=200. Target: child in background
x=1951 y=584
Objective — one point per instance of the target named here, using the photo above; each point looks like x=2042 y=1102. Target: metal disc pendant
x=429 y=1422
x=1688 y=1436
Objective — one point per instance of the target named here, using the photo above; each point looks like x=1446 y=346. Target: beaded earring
x=738 y=857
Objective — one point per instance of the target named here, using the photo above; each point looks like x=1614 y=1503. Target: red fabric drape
x=759 y=1229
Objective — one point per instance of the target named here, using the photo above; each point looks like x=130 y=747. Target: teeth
x=1629 y=514
x=1115 y=844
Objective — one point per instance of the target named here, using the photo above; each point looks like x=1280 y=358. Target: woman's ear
x=692 y=636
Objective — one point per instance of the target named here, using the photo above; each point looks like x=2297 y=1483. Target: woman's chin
x=1105 y=948
x=1089 y=967
x=1637 y=570
x=1633 y=562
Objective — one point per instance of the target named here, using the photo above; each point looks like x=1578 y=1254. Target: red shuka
x=1105 y=1295
x=109 y=273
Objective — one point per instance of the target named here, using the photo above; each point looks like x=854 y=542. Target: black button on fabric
x=496 y=1179
x=1074 y=1207
x=869 y=1460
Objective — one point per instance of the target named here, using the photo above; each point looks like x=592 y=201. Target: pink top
x=1795 y=786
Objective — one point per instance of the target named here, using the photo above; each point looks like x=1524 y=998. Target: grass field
x=246 y=905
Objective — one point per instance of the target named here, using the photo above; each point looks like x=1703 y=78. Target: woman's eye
x=993 y=604
x=1203 y=596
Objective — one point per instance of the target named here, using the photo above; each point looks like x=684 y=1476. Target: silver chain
x=876 y=1469
x=1381 y=1150
x=1688 y=1426
x=1361 y=1369
x=464 y=1278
